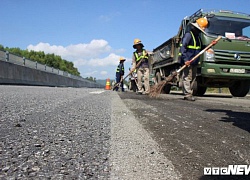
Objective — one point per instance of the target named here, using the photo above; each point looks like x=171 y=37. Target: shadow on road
x=239 y=119
x=218 y=95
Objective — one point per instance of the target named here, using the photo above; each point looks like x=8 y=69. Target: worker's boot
x=139 y=92
x=189 y=98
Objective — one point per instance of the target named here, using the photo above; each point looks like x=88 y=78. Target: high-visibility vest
x=143 y=56
x=118 y=68
x=194 y=41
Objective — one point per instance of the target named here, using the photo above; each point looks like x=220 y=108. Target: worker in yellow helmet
x=143 y=70
x=120 y=73
x=191 y=45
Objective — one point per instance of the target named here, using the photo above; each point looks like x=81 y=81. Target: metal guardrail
x=6 y=56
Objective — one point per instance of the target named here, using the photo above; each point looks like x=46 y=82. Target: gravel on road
x=53 y=133
x=74 y=133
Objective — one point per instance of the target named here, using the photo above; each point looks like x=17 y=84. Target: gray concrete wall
x=21 y=75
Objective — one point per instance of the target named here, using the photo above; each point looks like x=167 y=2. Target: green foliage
x=218 y=90
x=51 y=60
x=1 y=47
x=91 y=79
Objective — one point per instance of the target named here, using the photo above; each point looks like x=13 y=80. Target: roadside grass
x=218 y=90
x=209 y=90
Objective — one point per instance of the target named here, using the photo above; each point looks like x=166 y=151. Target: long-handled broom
x=118 y=83
x=156 y=89
x=136 y=83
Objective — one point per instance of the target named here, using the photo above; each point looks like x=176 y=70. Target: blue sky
x=93 y=34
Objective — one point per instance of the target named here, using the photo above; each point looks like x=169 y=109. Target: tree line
x=51 y=60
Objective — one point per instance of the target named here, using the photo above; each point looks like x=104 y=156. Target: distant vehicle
x=227 y=64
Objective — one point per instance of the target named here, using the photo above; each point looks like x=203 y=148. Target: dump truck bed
x=164 y=54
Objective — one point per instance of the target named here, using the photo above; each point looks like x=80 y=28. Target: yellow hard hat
x=202 y=22
x=137 y=41
x=122 y=59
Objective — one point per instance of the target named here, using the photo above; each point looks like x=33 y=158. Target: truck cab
x=227 y=64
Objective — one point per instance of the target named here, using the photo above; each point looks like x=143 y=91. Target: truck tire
x=200 y=91
x=166 y=89
x=240 y=88
x=197 y=89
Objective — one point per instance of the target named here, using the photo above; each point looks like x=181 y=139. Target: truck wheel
x=240 y=88
x=197 y=89
x=200 y=91
x=158 y=77
x=166 y=89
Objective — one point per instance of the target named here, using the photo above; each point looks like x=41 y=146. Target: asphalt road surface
x=213 y=131
x=74 y=133
x=80 y=133
x=53 y=133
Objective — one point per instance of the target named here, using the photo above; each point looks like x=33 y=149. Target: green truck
x=227 y=64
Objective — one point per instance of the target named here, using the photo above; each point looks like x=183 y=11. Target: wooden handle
x=137 y=65
x=200 y=53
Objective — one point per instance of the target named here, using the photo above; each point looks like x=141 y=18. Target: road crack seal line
x=134 y=154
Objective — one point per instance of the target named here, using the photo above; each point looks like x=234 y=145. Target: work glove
x=187 y=63
x=214 y=42
x=132 y=70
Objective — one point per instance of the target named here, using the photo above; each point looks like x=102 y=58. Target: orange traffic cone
x=107 y=87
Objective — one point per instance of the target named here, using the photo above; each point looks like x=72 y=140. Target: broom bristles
x=156 y=90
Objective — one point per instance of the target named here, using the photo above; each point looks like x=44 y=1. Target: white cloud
x=92 y=73
x=112 y=59
x=103 y=72
x=95 y=58
x=105 y=18
x=93 y=49
x=109 y=17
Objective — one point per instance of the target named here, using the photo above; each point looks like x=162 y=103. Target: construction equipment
x=156 y=89
x=226 y=65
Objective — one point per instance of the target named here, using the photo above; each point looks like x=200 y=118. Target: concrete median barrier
x=21 y=75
